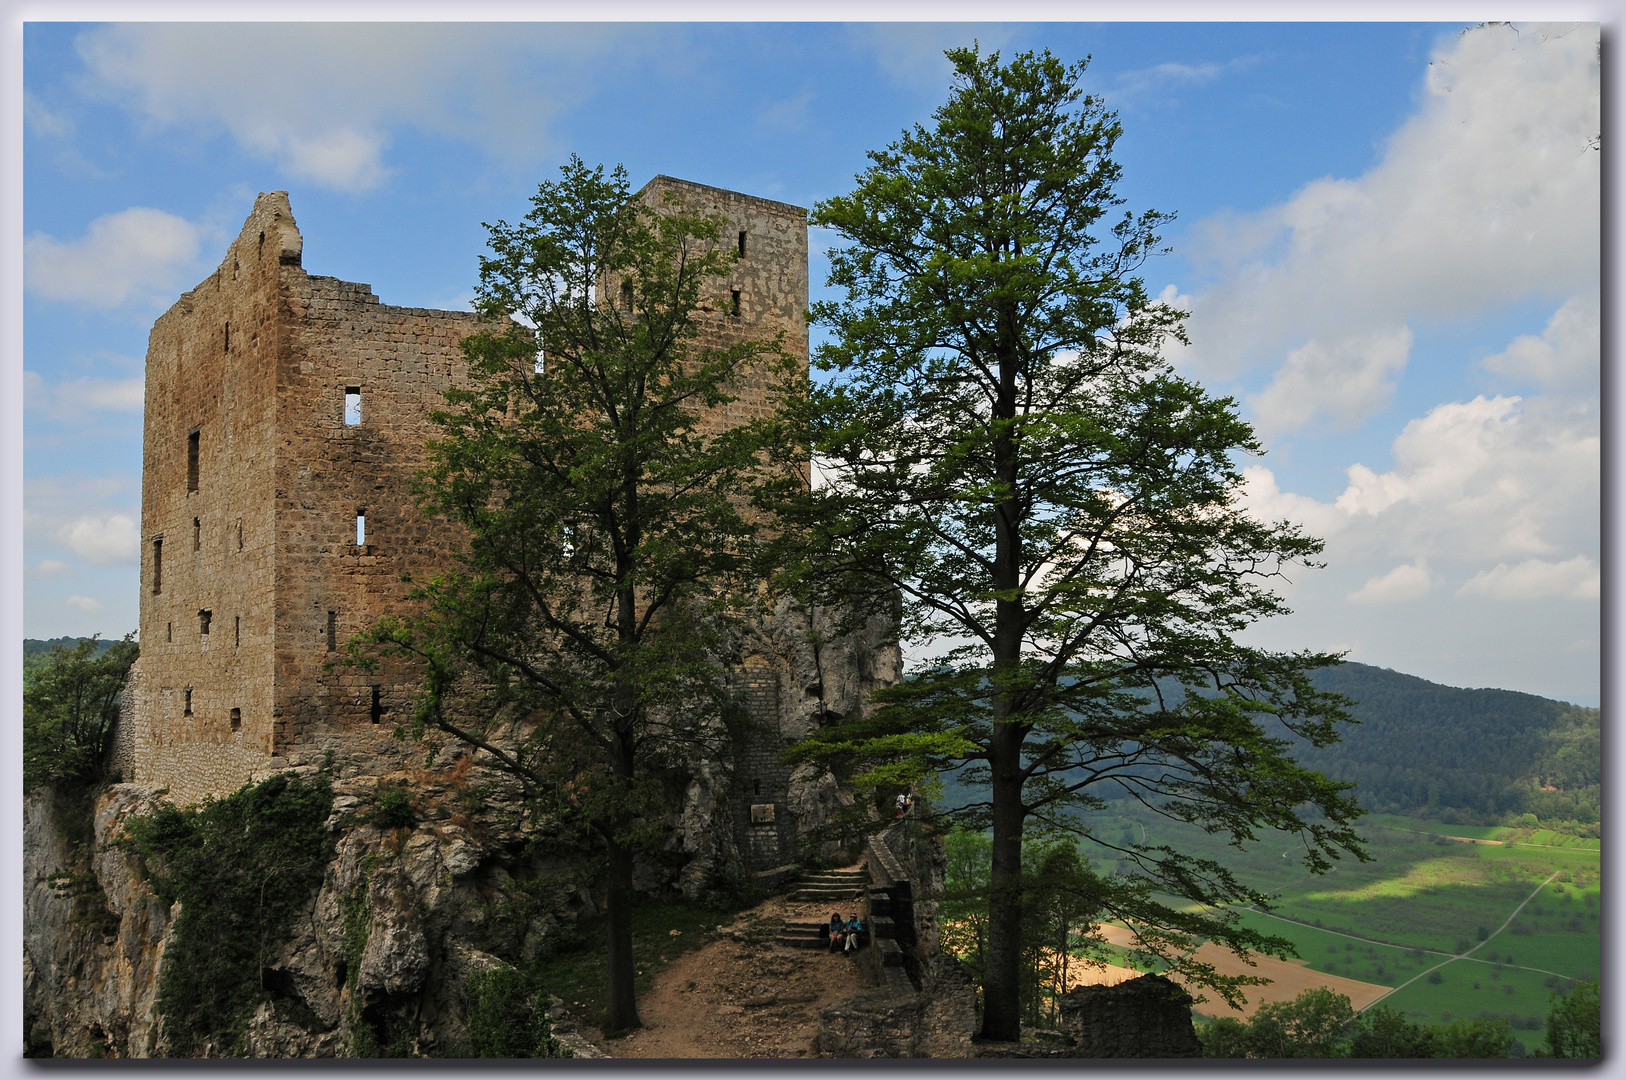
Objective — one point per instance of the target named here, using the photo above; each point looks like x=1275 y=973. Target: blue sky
x=1388 y=239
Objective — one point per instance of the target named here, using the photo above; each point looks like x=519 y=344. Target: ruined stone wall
x=208 y=529
x=396 y=364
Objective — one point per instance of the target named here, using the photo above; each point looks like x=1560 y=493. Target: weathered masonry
x=286 y=415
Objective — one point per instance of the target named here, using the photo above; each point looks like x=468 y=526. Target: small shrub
x=393 y=810
x=507 y=1017
x=1436 y=977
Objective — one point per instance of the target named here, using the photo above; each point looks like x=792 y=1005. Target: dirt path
x=739 y=999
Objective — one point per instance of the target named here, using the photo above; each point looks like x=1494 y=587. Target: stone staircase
x=839 y=888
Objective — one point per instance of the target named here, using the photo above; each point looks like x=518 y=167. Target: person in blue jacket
x=836 y=927
x=853 y=932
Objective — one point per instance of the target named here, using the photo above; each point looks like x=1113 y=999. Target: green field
x=1422 y=898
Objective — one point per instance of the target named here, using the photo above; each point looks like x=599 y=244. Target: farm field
x=1421 y=900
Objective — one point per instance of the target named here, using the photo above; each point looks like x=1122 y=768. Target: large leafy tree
x=580 y=639
x=1002 y=444
x=70 y=709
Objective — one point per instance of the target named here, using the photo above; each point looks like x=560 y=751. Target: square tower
x=286 y=418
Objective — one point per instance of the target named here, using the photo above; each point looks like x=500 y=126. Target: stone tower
x=286 y=415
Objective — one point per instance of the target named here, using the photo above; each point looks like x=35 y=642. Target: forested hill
x=1469 y=756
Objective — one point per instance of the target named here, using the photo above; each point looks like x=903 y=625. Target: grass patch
x=578 y=972
x=1470 y=990
x=1327 y=952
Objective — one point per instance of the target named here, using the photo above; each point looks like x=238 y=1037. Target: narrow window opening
x=204 y=617
x=261 y=250
x=742 y=243
x=734 y=302
x=756 y=785
x=236 y=630
x=228 y=325
x=378 y=704
x=236 y=719
x=192 y=459
x=169 y=631
x=332 y=631
x=157 y=565
x=352 y=406
x=361 y=528
x=197 y=534
x=234 y=269
x=186 y=708
x=239 y=534
x=626 y=296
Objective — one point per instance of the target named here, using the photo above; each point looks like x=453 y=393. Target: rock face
x=897 y=1021
x=1148 y=1017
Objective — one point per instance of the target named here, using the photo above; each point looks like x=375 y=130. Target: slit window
x=236 y=719
x=186 y=702
x=261 y=249
x=626 y=296
x=734 y=301
x=239 y=534
x=169 y=631
x=157 y=564
x=236 y=630
x=204 y=618
x=352 y=406
x=361 y=528
x=377 y=712
x=332 y=631
x=197 y=534
x=192 y=459
x=228 y=325
x=742 y=243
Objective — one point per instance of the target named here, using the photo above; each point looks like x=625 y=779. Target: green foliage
x=241 y=867
x=70 y=706
x=1468 y=756
x=394 y=808
x=1381 y=1032
x=507 y=1017
x=1312 y=1025
x=1321 y=1024
x=1003 y=446
x=1575 y=1024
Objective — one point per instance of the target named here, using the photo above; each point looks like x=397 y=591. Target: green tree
x=1575 y=1024
x=578 y=640
x=70 y=707
x=1312 y=1025
x=1382 y=1032
x=1002 y=445
x=1473 y=1039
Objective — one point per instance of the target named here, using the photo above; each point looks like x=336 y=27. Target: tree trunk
x=623 y=1009
x=1002 y=980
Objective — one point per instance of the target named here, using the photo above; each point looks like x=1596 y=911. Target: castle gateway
x=286 y=416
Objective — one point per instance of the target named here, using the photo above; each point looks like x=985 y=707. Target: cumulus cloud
x=110 y=540
x=1488 y=195
x=321 y=99
x=83 y=603
x=1536 y=579
x=48 y=568
x=135 y=255
x=1565 y=355
x=1410 y=581
x=1347 y=381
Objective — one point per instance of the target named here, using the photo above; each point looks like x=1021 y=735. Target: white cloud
x=76 y=399
x=133 y=255
x=1490 y=194
x=84 y=603
x=1348 y=381
x=48 y=568
x=321 y=99
x=1164 y=78
x=1565 y=355
x=113 y=540
x=1409 y=581
x=1535 y=579
x=41 y=120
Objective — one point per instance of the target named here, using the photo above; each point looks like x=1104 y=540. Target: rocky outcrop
x=895 y=1020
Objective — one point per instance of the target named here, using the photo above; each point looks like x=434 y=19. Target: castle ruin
x=286 y=416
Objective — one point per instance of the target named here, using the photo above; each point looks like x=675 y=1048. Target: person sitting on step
x=836 y=927
x=853 y=932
